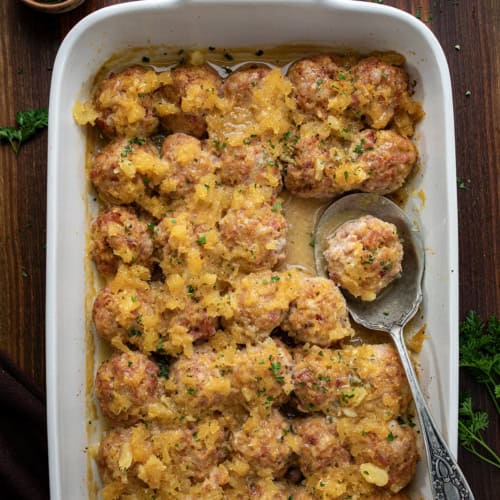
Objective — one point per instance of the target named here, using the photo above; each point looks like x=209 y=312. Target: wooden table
x=28 y=45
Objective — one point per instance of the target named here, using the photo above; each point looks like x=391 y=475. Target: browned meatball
x=319 y=80
x=364 y=256
x=265 y=444
x=312 y=172
x=355 y=381
x=386 y=157
x=379 y=87
x=260 y=302
x=193 y=90
x=390 y=447
x=239 y=86
x=320 y=446
x=178 y=237
x=349 y=481
x=187 y=163
x=319 y=169
x=263 y=373
x=115 y=459
x=125 y=385
x=194 y=319
x=119 y=316
x=124 y=103
x=152 y=455
x=203 y=381
x=195 y=450
x=117 y=235
x=319 y=314
x=251 y=163
x=114 y=174
x=255 y=236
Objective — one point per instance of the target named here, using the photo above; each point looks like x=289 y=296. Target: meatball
x=378 y=367
x=183 y=244
x=249 y=164
x=379 y=88
x=255 y=236
x=114 y=174
x=194 y=319
x=320 y=446
x=260 y=302
x=195 y=450
x=239 y=86
x=115 y=458
x=265 y=444
x=194 y=91
x=341 y=483
x=386 y=157
x=203 y=381
x=125 y=384
x=187 y=163
x=117 y=235
x=364 y=256
x=390 y=447
x=355 y=381
x=153 y=454
x=319 y=168
x=319 y=314
x=120 y=316
x=319 y=81
x=124 y=103
x=263 y=373
x=311 y=174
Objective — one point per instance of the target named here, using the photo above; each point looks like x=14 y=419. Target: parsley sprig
x=27 y=123
x=470 y=425
x=480 y=352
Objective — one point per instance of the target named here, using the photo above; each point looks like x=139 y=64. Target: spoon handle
x=447 y=480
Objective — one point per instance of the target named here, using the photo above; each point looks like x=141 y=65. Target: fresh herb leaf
x=480 y=352
x=163 y=369
x=470 y=425
x=28 y=122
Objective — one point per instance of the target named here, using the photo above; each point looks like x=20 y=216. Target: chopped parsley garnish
x=134 y=332
x=201 y=240
x=359 y=149
x=163 y=370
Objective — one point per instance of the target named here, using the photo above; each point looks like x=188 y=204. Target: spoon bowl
x=398 y=302
x=389 y=312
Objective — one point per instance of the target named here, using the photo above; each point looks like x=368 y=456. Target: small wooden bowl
x=54 y=8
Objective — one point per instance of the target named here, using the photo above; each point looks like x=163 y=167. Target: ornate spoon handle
x=447 y=480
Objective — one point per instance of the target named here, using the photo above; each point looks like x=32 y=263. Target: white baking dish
x=237 y=23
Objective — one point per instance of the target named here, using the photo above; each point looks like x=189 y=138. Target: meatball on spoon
x=390 y=312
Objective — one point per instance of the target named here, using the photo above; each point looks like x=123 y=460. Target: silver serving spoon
x=390 y=312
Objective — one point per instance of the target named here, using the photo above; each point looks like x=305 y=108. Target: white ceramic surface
x=190 y=23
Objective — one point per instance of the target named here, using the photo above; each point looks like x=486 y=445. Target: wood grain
x=28 y=45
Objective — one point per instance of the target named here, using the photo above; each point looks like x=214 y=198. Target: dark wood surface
x=28 y=45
